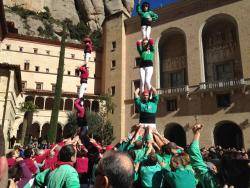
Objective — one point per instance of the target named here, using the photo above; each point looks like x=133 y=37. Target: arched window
x=49 y=103
x=175 y=133
x=39 y=102
x=45 y=130
x=19 y=133
x=95 y=106
x=34 y=130
x=228 y=135
x=221 y=49
x=87 y=104
x=173 y=58
x=29 y=98
x=68 y=104
x=59 y=133
x=61 y=104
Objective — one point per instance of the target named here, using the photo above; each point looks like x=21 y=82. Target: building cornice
x=51 y=94
x=41 y=40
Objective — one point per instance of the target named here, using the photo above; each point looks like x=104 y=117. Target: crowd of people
x=144 y=159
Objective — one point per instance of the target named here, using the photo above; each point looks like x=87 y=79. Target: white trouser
x=146 y=31
x=146 y=75
x=87 y=56
x=150 y=125
x=83 y=89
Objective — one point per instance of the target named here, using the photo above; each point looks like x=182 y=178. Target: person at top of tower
x=84 y=74
x=146 y=51
x=147 y=16
x=88 y=48
x=147 y=107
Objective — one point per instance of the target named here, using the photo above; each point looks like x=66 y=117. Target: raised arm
x=194 y=151
x=139 y=46
x=138 y=8
x=151 y=45
x=154 y=16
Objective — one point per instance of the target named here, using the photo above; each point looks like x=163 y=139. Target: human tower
x=84 y=74
x=147 y=102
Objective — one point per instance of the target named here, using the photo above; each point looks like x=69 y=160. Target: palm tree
x=58 y=90
x=28 y=108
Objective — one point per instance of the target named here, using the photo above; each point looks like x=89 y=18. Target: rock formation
x=91 y=12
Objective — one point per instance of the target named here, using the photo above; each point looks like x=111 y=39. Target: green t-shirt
x=166 y=159
x=150 y=176
x=150 y=106
x=140 y=154
x=146 y=14
x=181 y=178
x=146 y=55
x=206 y=178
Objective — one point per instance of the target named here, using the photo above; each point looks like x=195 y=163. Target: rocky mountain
x=30 y=17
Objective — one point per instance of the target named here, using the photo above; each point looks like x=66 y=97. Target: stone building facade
x=201 y=70
x=38 y=60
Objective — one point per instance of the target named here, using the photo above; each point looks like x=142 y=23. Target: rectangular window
x=171 y=105
x=53 y=87
x=223 y=100
x=68 y=72
x=26 y=66
x=177 y=79
x=224 y=71
x=78 y=89
x=24 y=84
x=8 y=47
x=77 y=72
x=113 y=63
x=113 y=45
x=112 y=90
x=47 y=70
x=20 y=49
x=39 y=86
x=47 y=52
x=35 y=50
x=37 y=68
x=137 y=61
x=135 y=85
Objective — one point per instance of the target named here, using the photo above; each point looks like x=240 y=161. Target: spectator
x=28 y=153
x=205 y=176
x=20 y=173
x=64 y=175
x=114 y=170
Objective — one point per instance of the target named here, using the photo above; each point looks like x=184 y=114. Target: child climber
x=84 y=74
x=146 y=51
x=88 y=47
x=81 y=119
x=147 y=16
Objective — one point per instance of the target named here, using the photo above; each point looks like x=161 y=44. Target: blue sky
x=154 y=4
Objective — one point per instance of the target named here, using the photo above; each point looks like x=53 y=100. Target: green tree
x=28 y=108
x=72 y=119
x=58 y=90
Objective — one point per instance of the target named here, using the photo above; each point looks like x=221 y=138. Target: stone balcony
x=173 y=91
x=222 y=85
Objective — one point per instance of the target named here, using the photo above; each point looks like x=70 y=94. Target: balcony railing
x=221 y=84
x=171 y=91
